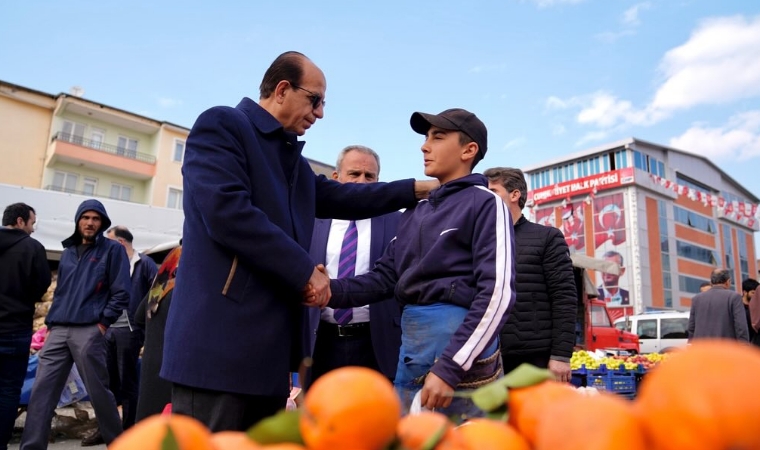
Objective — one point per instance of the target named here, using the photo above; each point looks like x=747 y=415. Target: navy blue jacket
x=456 y=247
x=142 y=277
x=385 y=316
x=94 y=288
x=250 y=200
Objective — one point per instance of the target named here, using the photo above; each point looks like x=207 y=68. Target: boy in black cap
x=452 y=267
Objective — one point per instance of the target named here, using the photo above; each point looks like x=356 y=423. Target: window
x=65 y=182
x=174 y=199
x=693 y=185
x=621 y=326
x=90 y=185
x=697 y=253
x=647 y=329
x=690 y=284
x=674 y=328
x=121 y=192
x=97 y=136
x=743 y=257
x=728 y=248
x=127 y=147
x=694 y=220
x=639 y=160
x=662 y=212
x=599 y=317
x=179 y=150
x=72 y=132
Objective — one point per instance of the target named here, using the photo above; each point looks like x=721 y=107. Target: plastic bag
x=74 y=390
x=38 y=338
x=416 y=406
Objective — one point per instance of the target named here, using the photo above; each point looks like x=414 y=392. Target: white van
x=658 y=331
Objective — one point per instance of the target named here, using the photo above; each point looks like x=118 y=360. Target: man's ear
x=470 y=151
x=335 y=175
x=20 y=222
x=515 y=196
x=280 y=91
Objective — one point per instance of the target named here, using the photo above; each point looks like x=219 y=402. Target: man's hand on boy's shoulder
x=422 y=188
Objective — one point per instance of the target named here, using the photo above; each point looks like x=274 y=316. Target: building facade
x=668 y=217
x=65 y=143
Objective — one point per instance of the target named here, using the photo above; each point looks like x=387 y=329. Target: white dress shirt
x=334 y=244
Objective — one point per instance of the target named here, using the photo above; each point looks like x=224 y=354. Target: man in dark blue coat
x=91 y=292
x=368 y=336
x=250 y=199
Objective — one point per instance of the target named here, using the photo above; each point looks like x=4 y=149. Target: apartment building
x=667 y=216
x=66 y=143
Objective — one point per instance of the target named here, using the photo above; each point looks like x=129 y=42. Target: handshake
x=317 y=290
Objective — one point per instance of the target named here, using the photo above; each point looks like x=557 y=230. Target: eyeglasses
x=316 y=99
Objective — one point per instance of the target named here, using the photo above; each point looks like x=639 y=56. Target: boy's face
x=445 y=158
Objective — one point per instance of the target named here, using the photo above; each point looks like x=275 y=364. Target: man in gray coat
x=718 y=312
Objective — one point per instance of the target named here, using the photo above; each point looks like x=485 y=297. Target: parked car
x=658 y=331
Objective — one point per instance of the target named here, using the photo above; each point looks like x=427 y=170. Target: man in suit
x=719 y=312
x=371 y=336
x=610 y=290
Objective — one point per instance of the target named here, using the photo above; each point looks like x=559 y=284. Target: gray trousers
x=85 y=346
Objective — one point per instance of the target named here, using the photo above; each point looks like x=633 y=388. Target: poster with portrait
x=573 y=225
x=610 y=244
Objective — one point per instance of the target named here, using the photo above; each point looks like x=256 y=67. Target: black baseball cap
x=454 y=119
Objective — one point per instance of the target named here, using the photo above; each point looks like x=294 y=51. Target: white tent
x=150 y=225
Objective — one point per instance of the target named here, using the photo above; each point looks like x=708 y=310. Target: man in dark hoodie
x=25 y=278
x=93 y=289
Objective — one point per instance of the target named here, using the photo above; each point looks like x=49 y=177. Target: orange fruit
x=149 y=434
x=233 y=440
x=529 y=404
x=350 y=408
x=704 y=397
x=590 y=422
x=487 y=434
x=422 y=431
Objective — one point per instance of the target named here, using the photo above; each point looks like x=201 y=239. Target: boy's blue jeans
x=14 y=357
x=426 y=331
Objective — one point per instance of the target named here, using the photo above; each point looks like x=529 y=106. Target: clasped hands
x=317 y=291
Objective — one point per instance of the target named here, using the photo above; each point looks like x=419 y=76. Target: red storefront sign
x=585 y=185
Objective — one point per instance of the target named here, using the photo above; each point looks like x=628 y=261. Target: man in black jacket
x=541 y=328
x=25 y=278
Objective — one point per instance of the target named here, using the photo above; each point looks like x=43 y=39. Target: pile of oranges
x=703 y=397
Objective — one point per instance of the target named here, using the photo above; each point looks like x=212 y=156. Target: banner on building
x=579 y=186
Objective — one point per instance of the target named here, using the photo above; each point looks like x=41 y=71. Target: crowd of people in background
x=285 y=271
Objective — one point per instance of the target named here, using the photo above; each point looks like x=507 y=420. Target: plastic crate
x=616 y=382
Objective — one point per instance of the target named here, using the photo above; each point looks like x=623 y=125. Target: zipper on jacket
x=233 y=269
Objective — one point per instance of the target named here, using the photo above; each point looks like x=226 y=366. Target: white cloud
x=547 y=3
x=631 y=15
x=738 y=139
x=165 y=102
x=517 y=142
x=719 y=63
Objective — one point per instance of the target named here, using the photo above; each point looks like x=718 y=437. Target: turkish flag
x=609 y=220
x=545 y=216
x=572 y=226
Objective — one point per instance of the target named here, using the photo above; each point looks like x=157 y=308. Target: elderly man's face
x=357 y=167
x=299 y=112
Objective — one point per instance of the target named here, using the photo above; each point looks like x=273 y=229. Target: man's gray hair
x=360 y=149
x=720 y=276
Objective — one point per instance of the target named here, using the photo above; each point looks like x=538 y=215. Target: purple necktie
x=347 y=268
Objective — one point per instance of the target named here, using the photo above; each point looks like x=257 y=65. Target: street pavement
x=70 y=422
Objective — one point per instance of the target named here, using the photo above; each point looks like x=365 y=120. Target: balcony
x=75 y=150
x=51 y=187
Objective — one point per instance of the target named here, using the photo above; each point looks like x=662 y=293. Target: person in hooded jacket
x=25 y=278
x=92 y=291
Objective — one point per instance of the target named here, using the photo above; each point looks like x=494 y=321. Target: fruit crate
x=618 y=382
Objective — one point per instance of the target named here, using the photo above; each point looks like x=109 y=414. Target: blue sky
x=548 y=77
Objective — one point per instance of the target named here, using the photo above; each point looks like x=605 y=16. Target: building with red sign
x=667 y=216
